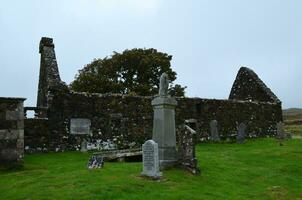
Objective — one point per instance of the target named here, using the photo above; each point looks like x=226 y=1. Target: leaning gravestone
x=186 y=149
x=214 y=131
x=150 y=160
x=241 y=133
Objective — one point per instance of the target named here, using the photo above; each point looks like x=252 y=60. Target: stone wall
x=128 y=119
x=260 y=117
x=37 y=136
x=49 y=71
x=11 y=132
x=249 y=87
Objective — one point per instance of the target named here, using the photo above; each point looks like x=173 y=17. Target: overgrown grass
x=293 y=121
x=295 y=130
x=259 y=169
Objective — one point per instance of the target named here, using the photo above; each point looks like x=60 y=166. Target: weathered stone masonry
x=11 y=132
x=49 y=72
x=126 y=119
x=249 y=87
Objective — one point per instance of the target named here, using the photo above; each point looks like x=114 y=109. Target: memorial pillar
x=164 y=125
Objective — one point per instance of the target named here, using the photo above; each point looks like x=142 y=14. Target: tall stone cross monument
x=164 y=124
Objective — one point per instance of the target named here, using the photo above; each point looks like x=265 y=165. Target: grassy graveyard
x=259 y=169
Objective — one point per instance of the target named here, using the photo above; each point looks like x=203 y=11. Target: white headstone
x=150 y=159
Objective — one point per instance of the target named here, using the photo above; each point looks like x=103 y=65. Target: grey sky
x=209 y=40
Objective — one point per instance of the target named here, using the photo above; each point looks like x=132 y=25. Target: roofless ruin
x=63 y=118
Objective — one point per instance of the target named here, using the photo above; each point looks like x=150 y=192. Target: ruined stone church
x=63 y=117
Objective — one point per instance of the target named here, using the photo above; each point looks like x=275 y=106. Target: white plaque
x=80 y=126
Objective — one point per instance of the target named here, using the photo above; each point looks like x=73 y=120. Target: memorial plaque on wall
x=80 y=126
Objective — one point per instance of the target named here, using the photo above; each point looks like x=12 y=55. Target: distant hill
x=292 y=111
x=292 y=115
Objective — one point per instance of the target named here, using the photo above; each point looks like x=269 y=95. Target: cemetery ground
x=258 y=169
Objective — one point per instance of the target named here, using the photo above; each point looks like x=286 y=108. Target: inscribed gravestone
x=150 y=159
x=241 y=133
x=80 y=126
x=214 y=131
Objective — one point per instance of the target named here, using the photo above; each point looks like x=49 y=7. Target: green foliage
x=135 y=71
x=259 y=169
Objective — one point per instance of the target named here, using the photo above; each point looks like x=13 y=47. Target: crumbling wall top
x=45 y=41
x=49 y=72
x=249 y=87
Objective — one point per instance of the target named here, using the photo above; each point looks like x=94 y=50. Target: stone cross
x=241 y=133
x=214 y=131
x=150 y=160
x=163 y=85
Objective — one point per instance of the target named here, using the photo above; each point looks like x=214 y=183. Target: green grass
x=259 y=169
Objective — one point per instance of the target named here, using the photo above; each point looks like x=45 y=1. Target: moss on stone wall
x=127 y=119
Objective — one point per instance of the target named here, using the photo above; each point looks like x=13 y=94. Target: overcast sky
x=209 y=40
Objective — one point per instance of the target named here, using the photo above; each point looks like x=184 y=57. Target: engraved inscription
x=150 y=159
x=149 y=156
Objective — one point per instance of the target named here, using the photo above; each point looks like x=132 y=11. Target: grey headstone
x=96 y=161
x=214 y=131
x=241 y=133
x=280 y=132
x=186 y=149
x=80 y=126
x=84 y=145
x=150 y=159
